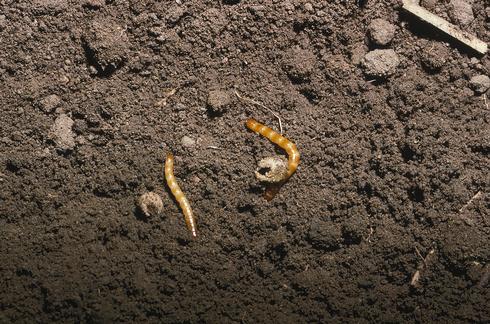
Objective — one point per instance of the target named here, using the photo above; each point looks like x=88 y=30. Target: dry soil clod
x=381 y=32
x=49 y=103
x=218 y=102
x=380 y=63
x=62 y=133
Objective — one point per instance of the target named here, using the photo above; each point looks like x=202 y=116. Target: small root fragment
x=476 y=196
x=263 y=106
x=423 y=265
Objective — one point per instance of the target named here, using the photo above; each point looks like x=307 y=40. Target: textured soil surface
x=386 y=219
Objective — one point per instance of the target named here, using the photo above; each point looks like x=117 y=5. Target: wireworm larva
x=284 y=143
x=179 y=195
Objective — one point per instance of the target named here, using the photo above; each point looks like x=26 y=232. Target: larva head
x=170 y=159
x=252 y=124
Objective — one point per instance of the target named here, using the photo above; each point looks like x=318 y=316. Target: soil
x=393 y=178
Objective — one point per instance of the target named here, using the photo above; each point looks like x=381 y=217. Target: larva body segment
x=285 y=144
x=179 y=195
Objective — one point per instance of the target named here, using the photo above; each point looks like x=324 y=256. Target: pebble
x=150 y=204
x=480 y=83
x=218 y=101
x=49 y=103
x=380 y=63
x=462 y=12
x=381 y=32
x=188 y=142
x=62 y=132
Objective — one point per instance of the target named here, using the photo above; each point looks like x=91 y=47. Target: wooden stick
x=446 y=27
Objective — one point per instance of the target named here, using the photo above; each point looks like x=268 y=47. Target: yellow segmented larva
x=179 y=195
x=284 y=143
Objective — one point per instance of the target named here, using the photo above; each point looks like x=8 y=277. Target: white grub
x=272 y=169
x=150 y=204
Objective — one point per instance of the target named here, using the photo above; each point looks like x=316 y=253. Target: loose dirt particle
x=428 y=4
x=480 y=83
x=49 y=103
x=324 y=235
x=150 y=204
x=95 y=4
x=299 y=64
x=62 y=132
x=218 y=102
x=188 y=142
x=381 y=32
x=434 y=56
x=380 y=63
x=106 y=45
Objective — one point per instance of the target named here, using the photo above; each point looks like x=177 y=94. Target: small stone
x=480 y=83
x=218 y=101
x=48 y=104
x=188 y=142
x=461 y=12
x=299 y=64
x=272 y=169
x=381 y=32
x=434 y=56
x=150 y=204
x=62 y=132
x=380 y=63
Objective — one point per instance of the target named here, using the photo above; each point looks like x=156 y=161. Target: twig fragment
x=476 y=196
x=263 y=106
x=421 y=267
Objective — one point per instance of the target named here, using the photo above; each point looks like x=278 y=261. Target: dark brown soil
x=94 y=93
